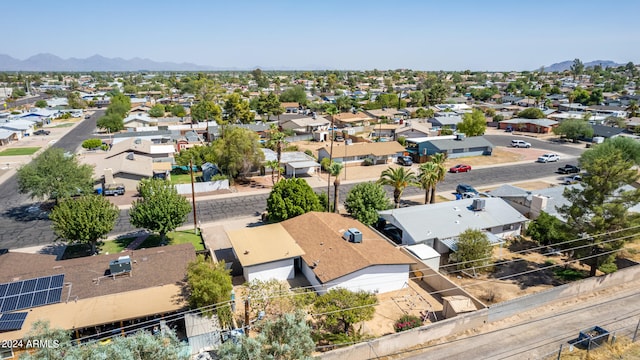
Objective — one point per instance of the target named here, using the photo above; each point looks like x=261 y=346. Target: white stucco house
x=322 y=253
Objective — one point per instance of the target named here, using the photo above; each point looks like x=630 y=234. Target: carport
x=301 y=168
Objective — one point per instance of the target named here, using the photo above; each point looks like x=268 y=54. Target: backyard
x=19 y=151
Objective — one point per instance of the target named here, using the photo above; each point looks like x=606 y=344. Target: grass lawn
x=115 y=246
x=176 y=237
x=184 y=178
x=19 y=151
x=63 y=125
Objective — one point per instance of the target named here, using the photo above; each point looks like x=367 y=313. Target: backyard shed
x=455 y=305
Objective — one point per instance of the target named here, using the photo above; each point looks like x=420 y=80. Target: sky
x=489 y=35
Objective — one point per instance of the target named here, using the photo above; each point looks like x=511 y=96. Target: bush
x=402 y=140
x=219 y=177
x=324 y=164
x=407 y=322
x=608 y=268
x=104 y=147
x=367 y=162
x=92 y=143
x=179 y=171
x=309 y=152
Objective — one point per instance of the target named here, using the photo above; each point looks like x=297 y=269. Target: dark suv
x=464 y=189
x=405 y=160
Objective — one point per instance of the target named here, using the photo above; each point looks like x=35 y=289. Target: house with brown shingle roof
x=348 y=119
x=316 y=245
x=91 y=297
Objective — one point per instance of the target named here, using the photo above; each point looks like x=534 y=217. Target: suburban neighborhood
x=260 y=180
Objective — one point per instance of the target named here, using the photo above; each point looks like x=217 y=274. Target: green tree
x=268 y=105
x=547 y=229
x=209 y=284
x=424 y=113
x=260 y=78
x=238 y=151
x=55 y=175
x=92 y=143
x=474 y=250
x=113 y=123
x=177 y=110
x=340 y=308
x=628 y=148
x=206 y=111
x=473 y=124
x=294 y=94
x=274 y=165
x=290 y=198
x=580 y=95
x=577 y=68
x=600 y=207
x=398 y=179
x=85 y=219
x=574 y=129
x=141 y=345
x=441 y=172
x=157 y=111
x=41 y=104
x=75 y=101
x=334 y=170
x=237 y=110
x=160 y=209
x=286 y=338
x=364 y=201
x=633 y=109
x=198 y=154
x=531 y=113
x=428 y=178
x=120 y=105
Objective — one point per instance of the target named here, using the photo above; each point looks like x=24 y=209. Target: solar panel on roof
x=14 y=321
x=39 y=298
x=31 y=292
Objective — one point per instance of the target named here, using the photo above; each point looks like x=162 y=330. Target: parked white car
x=520 y=144
x=545 y=158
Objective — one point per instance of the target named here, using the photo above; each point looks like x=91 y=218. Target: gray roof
x=448 y=219
x=469 y=142
x=129 y=134
x=507 y=190
x=541 y=122
x=446 y=120
x=5 y=134
x=286 y=156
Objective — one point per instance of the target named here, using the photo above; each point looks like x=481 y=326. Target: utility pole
x=330 y=160
x=193 y=199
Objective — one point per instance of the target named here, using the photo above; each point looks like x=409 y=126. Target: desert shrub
x=324 y=164
x=407 y=322
x=367 y=162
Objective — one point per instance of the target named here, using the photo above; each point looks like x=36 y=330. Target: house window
x=508 y=227
x=6 y=353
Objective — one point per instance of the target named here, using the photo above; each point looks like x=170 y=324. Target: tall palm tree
x=276 y=142
x=274 y=166
x=439 y=160
x=399 y=179
x=428 y=178
x=633 y=108
x=334 y=170
x=331 y=110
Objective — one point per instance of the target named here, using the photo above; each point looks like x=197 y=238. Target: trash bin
x=99 y=191
x=588 y=145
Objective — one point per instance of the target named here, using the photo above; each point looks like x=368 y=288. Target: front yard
x=19 y=151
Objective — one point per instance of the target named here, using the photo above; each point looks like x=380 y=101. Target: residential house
x=7 y=137
x=454 y=146
x=389 y=114
x=414 y=128
x=385 y=131
x=158 y=152
x=349 y=119
x=332 y=251
x=20 y=128
x=617 y=111
x=357 y=153
x=86 y=298
x=295 y=163
x=290 y=107
x=138 y=120
x=538 y=126
x=438 y=225
x=606 y=131
x=442 y=122
x=155 y=136
x=305 y=124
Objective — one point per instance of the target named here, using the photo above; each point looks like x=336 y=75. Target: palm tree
x=399 y=179
x=428 y=178
x=274 y=166
x=633 y=108
x=439 y=160
x=331 y=110
x=334 y=170
x=276 y=142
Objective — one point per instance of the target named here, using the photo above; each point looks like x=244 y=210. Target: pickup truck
x=113 y=189
x=569 y=169
x=574 y=179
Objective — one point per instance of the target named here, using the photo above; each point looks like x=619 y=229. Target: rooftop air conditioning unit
x=478 y=204
x=353 y=235
x=459 y=136
x=130 y=156
x=122 y=265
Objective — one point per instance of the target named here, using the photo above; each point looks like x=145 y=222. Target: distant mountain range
x=49 y=62
x=566 y=65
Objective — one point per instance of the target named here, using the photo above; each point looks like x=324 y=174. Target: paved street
x=22 y=223
x=22 y=228
x=542 y=334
